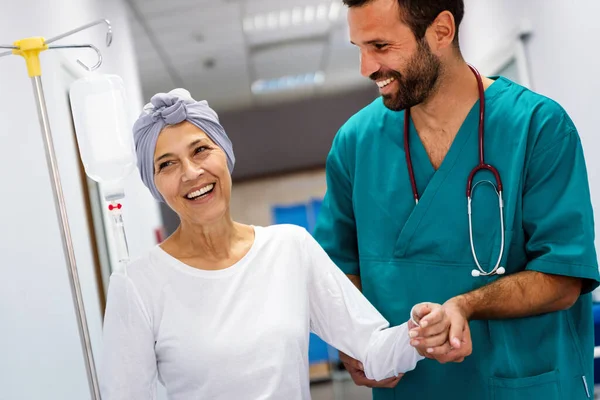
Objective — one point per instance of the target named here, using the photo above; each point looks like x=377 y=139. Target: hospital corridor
x=299 y=199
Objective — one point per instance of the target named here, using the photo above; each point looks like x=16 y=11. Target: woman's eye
x=164 y=165
x=200 y=149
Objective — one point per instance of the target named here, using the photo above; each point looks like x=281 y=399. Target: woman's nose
x=191 y=171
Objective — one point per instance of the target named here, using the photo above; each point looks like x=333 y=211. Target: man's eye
x=380 y=46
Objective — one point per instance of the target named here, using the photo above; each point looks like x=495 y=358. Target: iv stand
x=30 y=49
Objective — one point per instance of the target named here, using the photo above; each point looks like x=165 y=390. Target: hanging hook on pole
x=84 y=27
x=41 y=44
x=79 y=46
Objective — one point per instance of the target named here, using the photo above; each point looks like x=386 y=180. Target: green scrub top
x=406 y=253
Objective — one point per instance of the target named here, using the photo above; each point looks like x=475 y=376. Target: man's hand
x=356 y=370
x=458 y=355
x=443 y=333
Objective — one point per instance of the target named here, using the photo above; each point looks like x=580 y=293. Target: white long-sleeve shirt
x=240 y=332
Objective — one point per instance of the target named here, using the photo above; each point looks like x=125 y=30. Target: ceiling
x=217 y=50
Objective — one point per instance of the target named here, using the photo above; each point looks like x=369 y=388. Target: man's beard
x=418 y=81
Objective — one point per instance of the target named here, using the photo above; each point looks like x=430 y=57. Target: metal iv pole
x=30 y=49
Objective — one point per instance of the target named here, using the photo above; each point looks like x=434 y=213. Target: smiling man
x=513 y=262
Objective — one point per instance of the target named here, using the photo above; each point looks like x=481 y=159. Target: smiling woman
x=222 y=309
x=191 y=172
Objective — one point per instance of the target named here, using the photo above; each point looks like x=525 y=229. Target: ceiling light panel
x=325 y=12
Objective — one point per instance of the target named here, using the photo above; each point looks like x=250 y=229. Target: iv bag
x=103 y=133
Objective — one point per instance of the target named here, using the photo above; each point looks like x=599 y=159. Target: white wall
x=40 y=352
x=561 y=55
x=564 y=64
x=486 y=25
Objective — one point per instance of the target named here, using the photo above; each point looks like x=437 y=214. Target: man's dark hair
x=420 y=14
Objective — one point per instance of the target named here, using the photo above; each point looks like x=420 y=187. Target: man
x=530 y=319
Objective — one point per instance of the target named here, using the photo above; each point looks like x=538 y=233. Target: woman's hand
x=430 y=336
x=441 y=324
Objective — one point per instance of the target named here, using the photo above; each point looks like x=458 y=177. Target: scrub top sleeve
x=129 y=370
x=336 y=228
x=344 y=318
x=557 y=210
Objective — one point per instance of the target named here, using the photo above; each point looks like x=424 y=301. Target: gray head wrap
x=170 y=109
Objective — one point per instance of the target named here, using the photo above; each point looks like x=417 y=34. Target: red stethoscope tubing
x=481 y=166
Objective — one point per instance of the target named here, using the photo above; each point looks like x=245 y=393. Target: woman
x=223 y=310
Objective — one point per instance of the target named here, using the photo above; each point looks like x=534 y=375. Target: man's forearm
x=355 y=280
x=519 y=295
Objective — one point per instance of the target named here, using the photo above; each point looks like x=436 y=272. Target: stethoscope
x=482 y=166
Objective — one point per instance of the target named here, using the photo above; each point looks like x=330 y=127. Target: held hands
x=442 y=332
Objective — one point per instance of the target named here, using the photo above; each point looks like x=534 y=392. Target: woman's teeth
x=386 y=82
x=200 y=192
